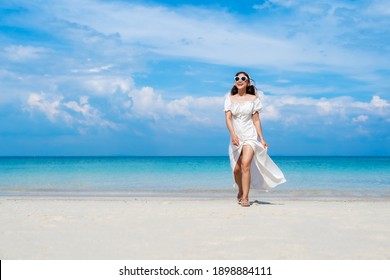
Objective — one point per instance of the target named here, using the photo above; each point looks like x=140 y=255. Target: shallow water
x=306 y=176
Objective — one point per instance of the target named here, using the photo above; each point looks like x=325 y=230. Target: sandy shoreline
x=193 y=228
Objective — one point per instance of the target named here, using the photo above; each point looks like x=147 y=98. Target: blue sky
x=92 y=77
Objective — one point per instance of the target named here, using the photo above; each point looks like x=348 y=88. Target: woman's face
x=241 y=81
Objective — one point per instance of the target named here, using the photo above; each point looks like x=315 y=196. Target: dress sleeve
x=228 y=104
x=257 y=106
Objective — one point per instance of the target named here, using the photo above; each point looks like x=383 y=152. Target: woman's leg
x=238 y=178
x=246 y=160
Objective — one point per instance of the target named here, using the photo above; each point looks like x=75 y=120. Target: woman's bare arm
x=257 y=123
x=229 y=124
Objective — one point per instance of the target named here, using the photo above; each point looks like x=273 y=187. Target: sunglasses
x=243 y=78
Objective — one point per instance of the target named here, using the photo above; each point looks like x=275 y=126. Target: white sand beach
x=193 y=228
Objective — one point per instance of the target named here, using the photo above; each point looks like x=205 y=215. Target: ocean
x=188 y=176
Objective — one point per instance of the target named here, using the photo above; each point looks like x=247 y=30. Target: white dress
x=265 y=174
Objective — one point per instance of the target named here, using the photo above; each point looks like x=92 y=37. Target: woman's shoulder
x=252 y=97
x=237 y=99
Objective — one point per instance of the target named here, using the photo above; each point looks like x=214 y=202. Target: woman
x=251 y=165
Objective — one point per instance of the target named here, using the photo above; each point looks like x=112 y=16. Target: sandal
x=239 y=198
x=245 y=203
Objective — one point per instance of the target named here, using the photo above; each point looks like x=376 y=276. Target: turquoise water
x=306 y=176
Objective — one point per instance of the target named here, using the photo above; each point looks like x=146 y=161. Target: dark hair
x=251 y=89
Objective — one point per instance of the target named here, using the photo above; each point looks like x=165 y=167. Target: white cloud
x=324 y=106
x=361 y=118
x=212 y=36
x=379 y=103
x=265 y=5
x=180 y=107
x=271 y=112
x=90 y=115
x=83 y=107
x=81 y=113
x=93 y=70
x=41 y=102
x=102 y=85
x=205 y=110
x=122 y=100
x=146 y=102
x=22 y=53
x=324 y=110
